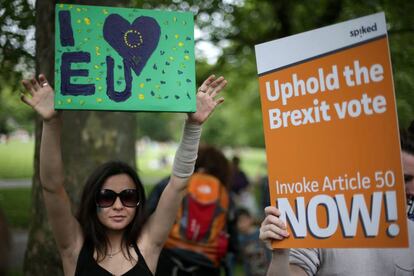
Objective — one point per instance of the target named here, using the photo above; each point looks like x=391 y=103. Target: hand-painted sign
x=331 y=134
x=124 y=59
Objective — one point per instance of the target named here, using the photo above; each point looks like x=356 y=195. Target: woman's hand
x=206 y=101
x=42 y=97
x=272 y=228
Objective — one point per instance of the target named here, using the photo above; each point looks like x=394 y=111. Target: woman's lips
x=117 y=218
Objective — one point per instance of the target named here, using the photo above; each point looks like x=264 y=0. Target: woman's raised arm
x=159 y=224
x=64 y=225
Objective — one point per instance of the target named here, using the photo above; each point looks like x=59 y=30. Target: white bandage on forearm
x=186 y=154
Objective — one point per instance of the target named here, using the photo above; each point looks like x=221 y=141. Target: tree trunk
x=88 y=139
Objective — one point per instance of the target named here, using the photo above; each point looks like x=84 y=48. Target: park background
x=225 y=34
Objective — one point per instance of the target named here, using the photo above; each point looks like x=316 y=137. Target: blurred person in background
x=204 y=232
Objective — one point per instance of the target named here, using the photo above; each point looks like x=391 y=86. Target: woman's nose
x=118 y=203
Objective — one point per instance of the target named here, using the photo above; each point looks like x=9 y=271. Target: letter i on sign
x=68 y=58
x=66 y=32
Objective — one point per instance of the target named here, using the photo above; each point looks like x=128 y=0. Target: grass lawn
x=150 y=167
x=16 y=204
x=253 y=162
x=16 y=160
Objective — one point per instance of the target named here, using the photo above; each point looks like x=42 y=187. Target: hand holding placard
x=207 y=100
x=42 y=97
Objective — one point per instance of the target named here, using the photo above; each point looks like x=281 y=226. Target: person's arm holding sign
x=65 y=227
x=155 y=233
x=273 y=228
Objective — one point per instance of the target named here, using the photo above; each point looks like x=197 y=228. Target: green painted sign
x=124 y=59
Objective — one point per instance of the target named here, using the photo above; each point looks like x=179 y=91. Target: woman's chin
x=116 y=226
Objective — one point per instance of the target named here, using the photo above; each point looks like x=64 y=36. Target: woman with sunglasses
x=110 y=235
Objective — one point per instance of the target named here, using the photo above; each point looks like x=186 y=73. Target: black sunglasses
x=106 y=198
x=408 y=177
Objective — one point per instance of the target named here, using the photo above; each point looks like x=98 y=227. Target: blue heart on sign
x=134 y=42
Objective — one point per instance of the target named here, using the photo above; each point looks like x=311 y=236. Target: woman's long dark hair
x=93 y=230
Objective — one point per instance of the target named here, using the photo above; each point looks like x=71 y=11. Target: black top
x=87 y=266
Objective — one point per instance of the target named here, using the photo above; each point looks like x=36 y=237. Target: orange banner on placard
x=333 y=150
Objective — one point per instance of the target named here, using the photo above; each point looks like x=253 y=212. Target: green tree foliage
x=236 y=26
x=13 y=113
x=159 y=126
x=260 y=21
x=16 y=49
x=16 y=56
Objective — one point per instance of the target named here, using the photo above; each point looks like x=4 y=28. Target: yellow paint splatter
x=99 y=88
x=70 y=6
x=105 y=11
x=97 y=49
x=98 y=78
x=176 y=36
x=69 y=100
x=141 y=96
x=61 y=6
x=99 y=100
x=141 y=85
x=81 y=102
x=78 y=21
x=59 y=102
x=87 y=21
x=171 y=58
x=180 y=44
x=78 y=9
x=96 y=66
x=187 y=57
